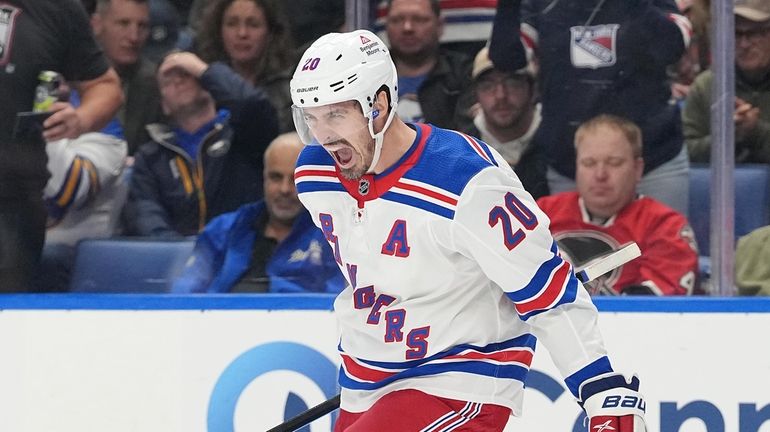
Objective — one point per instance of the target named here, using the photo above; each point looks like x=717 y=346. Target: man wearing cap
x=752 y=90
x=507 y=118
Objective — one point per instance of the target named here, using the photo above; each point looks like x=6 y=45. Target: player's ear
x=638 y=169
x=381 y=101
x=380 y=106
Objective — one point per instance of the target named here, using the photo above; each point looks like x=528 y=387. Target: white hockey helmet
x=340 y=67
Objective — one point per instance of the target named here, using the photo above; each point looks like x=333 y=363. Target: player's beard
x=365 y=154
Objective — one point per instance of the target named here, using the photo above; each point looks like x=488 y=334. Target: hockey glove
x=613 y=403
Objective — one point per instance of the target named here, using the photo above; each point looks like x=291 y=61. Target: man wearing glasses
x=507 y=116
x=752 y=90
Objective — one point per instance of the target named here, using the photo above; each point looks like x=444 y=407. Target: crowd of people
x=175 y=119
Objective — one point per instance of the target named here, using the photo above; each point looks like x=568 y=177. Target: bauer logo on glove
x=613 y=403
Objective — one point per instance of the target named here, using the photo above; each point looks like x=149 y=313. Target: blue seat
x=752 y=200
x=128 y=265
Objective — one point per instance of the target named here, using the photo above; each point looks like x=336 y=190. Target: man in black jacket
x=208 y=161
x=433 y=84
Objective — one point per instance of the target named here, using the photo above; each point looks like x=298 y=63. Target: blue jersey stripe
x=539 y=280
x=597 y=367
x=524 y=341
x=319 y=186
x=449 y=174
x=514 y=372
x=569 y=295
x=421 y=204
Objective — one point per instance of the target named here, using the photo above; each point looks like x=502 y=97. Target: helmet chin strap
x=378 y=137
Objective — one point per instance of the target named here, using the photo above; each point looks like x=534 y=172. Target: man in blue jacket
x=268 y=246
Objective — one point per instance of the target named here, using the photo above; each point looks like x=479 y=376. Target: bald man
x=268 y=246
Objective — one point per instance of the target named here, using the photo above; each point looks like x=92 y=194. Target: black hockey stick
x=587 y=274
x=308 y=416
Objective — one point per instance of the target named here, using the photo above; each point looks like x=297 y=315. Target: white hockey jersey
x=453 y=275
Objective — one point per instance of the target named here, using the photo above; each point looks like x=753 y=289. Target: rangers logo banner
x=594 y=46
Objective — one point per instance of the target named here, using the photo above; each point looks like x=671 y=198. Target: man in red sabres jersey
x=606 y=212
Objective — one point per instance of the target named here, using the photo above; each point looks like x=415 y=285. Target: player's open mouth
x=342 y=154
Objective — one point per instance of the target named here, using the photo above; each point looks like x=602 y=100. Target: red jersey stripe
x=519 y=356
x=427 y=192
x=361 y=372
x=476 y=146
x=309 y=172
x=550 y=294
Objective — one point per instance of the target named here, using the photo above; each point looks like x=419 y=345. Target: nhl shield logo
x=363 y=186
x=594 y=46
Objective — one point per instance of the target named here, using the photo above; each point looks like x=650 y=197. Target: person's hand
x=65 y=122
x=679 y=91
x=613 y=403
x=746 y=117
x=186 y=61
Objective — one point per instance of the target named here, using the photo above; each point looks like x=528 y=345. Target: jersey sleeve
x=80 y=168
x=499 y=226
x=511 y=42
x=669 y=258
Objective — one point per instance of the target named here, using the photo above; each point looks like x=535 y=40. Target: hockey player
x=452 y=271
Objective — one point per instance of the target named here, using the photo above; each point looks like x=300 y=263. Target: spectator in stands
x=684 y=71
x=166 y=31
x=268 y=246
x=434 y=84
x=84 y=196
x=752 y=263
x=752 y=89
x=507 y=118
x=599 y=57
x=466 y=28
x=606 y=212
x=40 y=36
x=207 y=161
x=121 y=27
x=252 y=37
x=311 y=19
